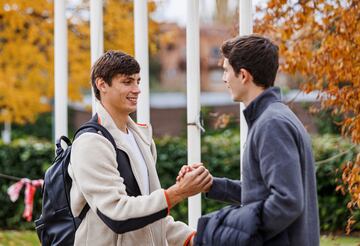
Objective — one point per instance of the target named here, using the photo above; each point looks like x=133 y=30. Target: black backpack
x=57 y=225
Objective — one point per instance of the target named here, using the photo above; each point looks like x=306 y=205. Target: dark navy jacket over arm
x=225 y=190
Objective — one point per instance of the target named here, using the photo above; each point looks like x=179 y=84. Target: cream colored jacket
x=96 y=180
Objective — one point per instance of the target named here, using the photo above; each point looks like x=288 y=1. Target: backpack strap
x=59 y=149
x=93 y=124
x=62 y=138
x=84 y=212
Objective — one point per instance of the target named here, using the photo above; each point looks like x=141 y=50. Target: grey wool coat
x=279 y=170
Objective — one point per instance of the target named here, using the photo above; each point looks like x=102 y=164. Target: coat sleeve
x=94 y=168
x=225 y=190
x=278 y=152
x=177 y=233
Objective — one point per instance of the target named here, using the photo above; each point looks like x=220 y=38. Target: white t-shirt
x=136 y=151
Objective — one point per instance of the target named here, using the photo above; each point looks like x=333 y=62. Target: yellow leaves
x=27 y=62
x=23 y=61
x=21 y=105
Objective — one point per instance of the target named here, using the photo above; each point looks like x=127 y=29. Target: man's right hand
x=195 y=181
x=187 y=168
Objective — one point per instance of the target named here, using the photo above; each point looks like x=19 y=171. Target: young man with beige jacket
x=121 y=187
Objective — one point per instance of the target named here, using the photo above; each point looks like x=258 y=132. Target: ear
x=101 y=85
x=245 y=76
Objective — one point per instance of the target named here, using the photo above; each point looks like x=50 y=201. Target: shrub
x=332 y=205
x=220 y=154
x=23 y=158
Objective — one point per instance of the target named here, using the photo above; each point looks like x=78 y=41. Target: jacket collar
x=260 y=103
x=107 y=122
x=142 y=135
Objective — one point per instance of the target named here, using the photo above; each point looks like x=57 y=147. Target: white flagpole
x=193 y=100
x=96 y=37
x=142 y=56
x=6 y=134
x=245 y=26
x=61 y=69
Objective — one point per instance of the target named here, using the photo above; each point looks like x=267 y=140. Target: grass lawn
x=27 y=238
x=18 y=238
x=339 y=241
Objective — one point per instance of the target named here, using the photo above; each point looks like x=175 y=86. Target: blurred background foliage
x=29 y=157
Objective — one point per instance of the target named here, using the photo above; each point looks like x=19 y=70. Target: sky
x=175 y=10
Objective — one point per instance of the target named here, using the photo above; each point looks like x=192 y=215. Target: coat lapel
x=109 y=124
x=144 y=143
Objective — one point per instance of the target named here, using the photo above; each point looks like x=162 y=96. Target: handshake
x=192 y=179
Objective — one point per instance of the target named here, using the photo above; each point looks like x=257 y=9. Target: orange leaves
x=350 y=222
x=325 y=48
x=351 y=180
x=222 y=121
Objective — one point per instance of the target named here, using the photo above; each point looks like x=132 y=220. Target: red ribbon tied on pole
x=30 y=189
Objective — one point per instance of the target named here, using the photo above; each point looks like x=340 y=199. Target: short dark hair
x=111 y=64
x=257 y=54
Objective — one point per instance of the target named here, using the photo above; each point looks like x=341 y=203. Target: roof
x=166 y=100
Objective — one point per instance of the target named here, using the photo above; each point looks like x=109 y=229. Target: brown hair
x=257 y=54
x=111 y=64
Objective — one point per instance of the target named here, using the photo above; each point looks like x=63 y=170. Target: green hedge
x=220 y=153
x=332 y=205
x=22 y=158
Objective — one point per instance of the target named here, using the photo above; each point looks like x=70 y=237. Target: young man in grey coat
x=278 y=164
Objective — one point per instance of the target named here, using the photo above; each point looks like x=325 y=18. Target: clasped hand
x=194 y=177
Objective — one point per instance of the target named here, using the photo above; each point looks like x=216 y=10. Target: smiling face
x=122 y=95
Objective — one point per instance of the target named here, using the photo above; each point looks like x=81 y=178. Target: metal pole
x=61 y=70
x=142 y=56
x=96 y=37
x=6 y=134
x=193 y=99
x=245 y=16
x=246 y=27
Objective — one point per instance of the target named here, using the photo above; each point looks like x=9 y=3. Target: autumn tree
x=320 y=40
x=26 y=51
x=26 y=46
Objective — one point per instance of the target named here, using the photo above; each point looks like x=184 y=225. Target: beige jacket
x=96 y=180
